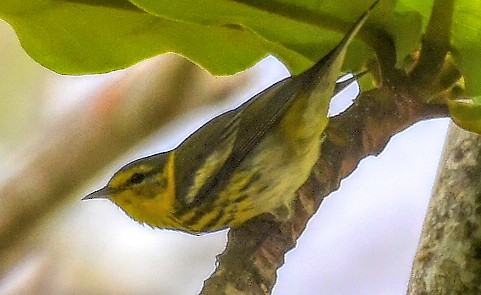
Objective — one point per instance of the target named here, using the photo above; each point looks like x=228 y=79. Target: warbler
x=242 y=163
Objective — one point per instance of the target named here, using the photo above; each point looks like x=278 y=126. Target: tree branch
x=256 y=250
x=449 y=252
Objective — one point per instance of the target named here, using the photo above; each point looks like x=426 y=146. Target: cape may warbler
x=245 y=162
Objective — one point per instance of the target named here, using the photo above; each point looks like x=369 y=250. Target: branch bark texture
x=448 y=260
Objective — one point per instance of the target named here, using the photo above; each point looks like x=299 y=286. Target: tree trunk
x=448 y=260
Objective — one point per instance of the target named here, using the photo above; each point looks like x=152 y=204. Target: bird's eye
x=136 y=178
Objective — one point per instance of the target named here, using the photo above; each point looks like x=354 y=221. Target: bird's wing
x=253 y=120
x=205 y=152
x=263 y=111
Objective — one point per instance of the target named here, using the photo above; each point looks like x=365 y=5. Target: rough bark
x=448 y=259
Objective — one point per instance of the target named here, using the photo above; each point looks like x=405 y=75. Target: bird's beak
x=103 y=193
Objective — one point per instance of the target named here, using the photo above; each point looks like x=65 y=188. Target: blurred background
x=361 y=241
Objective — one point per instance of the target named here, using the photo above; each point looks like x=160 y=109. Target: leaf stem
x=435 y=45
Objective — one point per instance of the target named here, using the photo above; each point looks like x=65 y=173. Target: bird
x=245 y=162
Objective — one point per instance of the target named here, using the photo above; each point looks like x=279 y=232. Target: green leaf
x=93 y=36
x=226 y=36
x=307 y=28
x=467 y=43
x=467 y=113
x=78 y=38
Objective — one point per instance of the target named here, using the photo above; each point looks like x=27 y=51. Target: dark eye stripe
x=137 y=178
